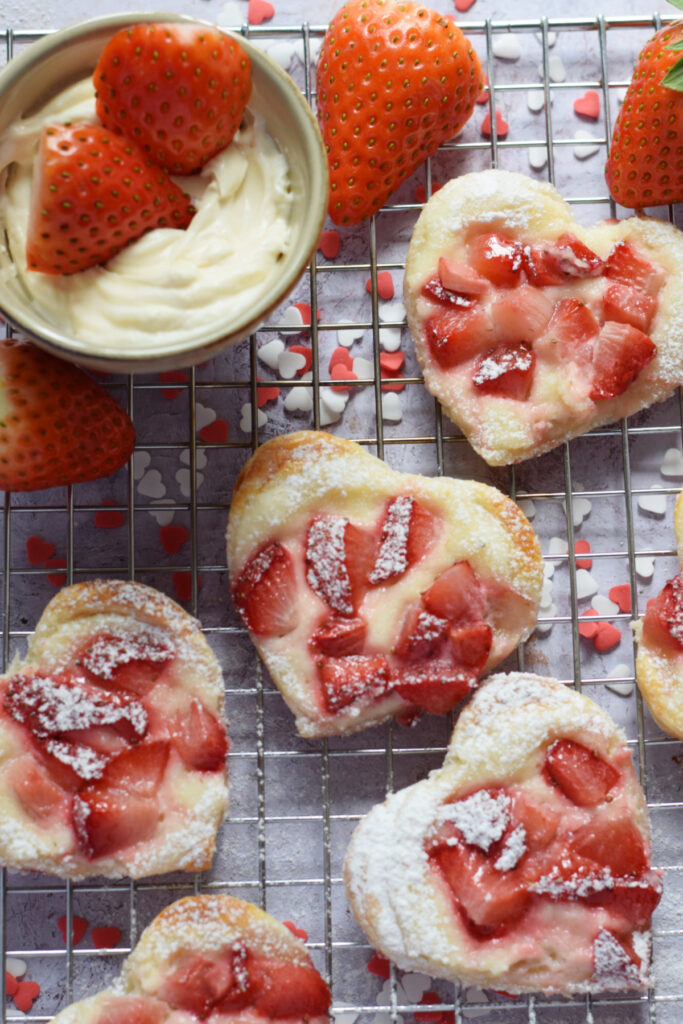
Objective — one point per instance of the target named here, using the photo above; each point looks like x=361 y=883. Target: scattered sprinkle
x=380 y=966
x=173 y=377
x=79 y=927
x=245 y=420
x=645 y=567
x=652 y=503
x=38 y=550
x=586 y=145
x=290 y=363
x=26 y=994
x=502 y=126
x=588 y=105
x=582 y=547
x=182 y=584
x=299 y=400
x=57 y=579
x=173 y=537
x=585 y=584
x=506 y=47
x=672 y=463
x=329 y=244
x=151 y=485
x=307 y=352
x=621 y=595
x=259 y=11
x=556 y=70
x=216 y=432
x=385 y=285
x=392 y=410
x=270 y=352
x=535 y=100
x=538 y=157
x=106 y=937
x=300 y=933
x=108 y=518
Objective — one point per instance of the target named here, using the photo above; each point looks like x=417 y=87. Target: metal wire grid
x=266 y=757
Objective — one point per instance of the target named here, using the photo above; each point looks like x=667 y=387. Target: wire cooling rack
x=295 y=802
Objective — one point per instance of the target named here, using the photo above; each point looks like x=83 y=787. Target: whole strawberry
x=645 y=163
x=57 y=425
x=93 y=193
x=394 y=81
x=177 y=90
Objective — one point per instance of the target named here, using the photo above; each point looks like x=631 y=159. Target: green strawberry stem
x=673 y=79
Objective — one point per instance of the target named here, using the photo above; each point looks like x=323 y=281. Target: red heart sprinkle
x=260 y=10
x=106 y=937
x=109 y=519
x=173 y=537
x=341 y=356
x=582 y=547
x=57 y=579
x=329 y=244
x=463 y=5
x=267 y=393
x=307 y=353
x=299 y=932
x=305 y=311
x=79 y=927
x=391 y=387
x=502 y=126
x=38 y=550
x=385 y=285
x=11 y=984
x=380 y=966
x=434 y=1016
x=608 y=636
x=588 y=105
x=483 y=96
x=26 y=994
x=182 y=582
x=214 y=433
x=589 y=630
x=621 y=595
x=392 y=362
x=173 y=377
x=340 y=372
x=420 y=192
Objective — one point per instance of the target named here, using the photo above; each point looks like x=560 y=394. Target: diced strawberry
x=461 y=278
x=202 y=983
x=265 y=592
x=614 y=843
x=131 y=1010
x=471 y=645
x=456 y=335
x=635 y=900
x=629 y=266
x=287 y=990
x=490 y=899
x=456 y=594
x=356 y=678
x=434 y=290
x=339 y=637
x=408 y=532
x=361 y=551
x=554 y=263
x=138 y=769
x=628 y=305
x=435 y=686
x=506 y=371
x=497 y=258
x=616 y=965
x=200 y=739
x=108 y=820
x=339 y=557
x=620 y=352
x=422 y=534
x=421 y=634
x=583 y=777
x=520 y=314
x=130 y=663
x=540 y=821
x=39 y=796
x=663 y=623
x=570 y=329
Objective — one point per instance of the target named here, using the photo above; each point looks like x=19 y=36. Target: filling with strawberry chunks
x=97 y=748
x=442 y=641
x=563 y=838
x=663 y=622
x=506 y=307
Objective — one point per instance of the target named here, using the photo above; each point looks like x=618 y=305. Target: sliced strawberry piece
x=434 y=289
x=339 y=637
x=356 y=678
x=456 y=335
x=461 y=278
x=131 y=663
x=620 y=352
x=471 y=645
x=435 y=686
x=421 y=634
x=629 y=266
x=423 y=532
x=614 y=843
x=634 y=900
x=139 y=769
x=554 y=263
x=497 y=258
x=506 y=371
x=520 y=314
x=339 y=557
x=200 y=739
x=456 y=594
x=108 y=820
x=203 y=983
x=628 y=305
x=490 y=899
x=615 y=963
x=131 y=1010
x=663 y=623
x=583 y=777
x=286 y=990
x=38 y=795
x=265 y=592
x=540 y=821
x=408 y=532
x=570 y=330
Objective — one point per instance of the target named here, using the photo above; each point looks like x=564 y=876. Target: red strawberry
x=629 y=306
x=644 y=167
x=338 y=637
x=178 y=91
x=663 y=623
x=138 y=769
x=436 y=290
x=569 y=329
x=620 y=352
x=560 y=261
x=471 y=645
x=94 y=193
x=506 y=371
x=265 y=592
x=130 y=663
x=39 y=796
x=200 y=739
x=520 y=314
x=633 y=900
x=459 y=277
x=339 y=557
x=131 y=1010
x=583 y=777
x=497 y=258
x=616 y=844
x=456 y=335
x=201 y=983
x=408 y=532
x=58 y=426
x=107 y=820
x=434 y=685
x=358 y=677
x=489 y=898
x=286 y=990
x=421 y=634
x=629 y=266
x=394 y=81
x=456 y=595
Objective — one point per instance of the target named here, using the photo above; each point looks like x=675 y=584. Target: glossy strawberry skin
x=583 y=776
x=663 y=623
x=383 y=106
x=93 y=194
x=178 y=91
x=264 y=592
x=645 y=166
x=60 y=427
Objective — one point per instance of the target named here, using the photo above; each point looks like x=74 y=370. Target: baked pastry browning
x=211 y=958
x=659 y=662
x=532 y=329
x=113 y=738
x=522 y=864
x=369 y=592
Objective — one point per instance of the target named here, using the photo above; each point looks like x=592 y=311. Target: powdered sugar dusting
x=85 y=761
x=513 y=850
x=392 y=557
x=481 y=818
x=613 y=967
x=48 y=706
x=107 y=653
x=578 y=887
x=327 y=574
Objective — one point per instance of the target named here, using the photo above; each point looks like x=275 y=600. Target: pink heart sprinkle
x=38 y=550
x=307 y=352
x=182 y=583
x=305 y=312
x=57 y=579
x=463 y=5
x=109 y=519
x=589 y=630
x=341 y=356
x=608 y=636
x=380 y=966
x=588 y=105
x=502 y=126
x=172 y=537
x=299 y=932
x=107 y=937
x=420 y=192
x=433 y=1016
x=582 y=547
x=79 y=927
x=385 y=285
x=267 y=393
x=260 y=10
x=26 y=994
x=392 y=362
x=329 y=244
x=340 y=372
x=215 y=432
x=173 y=377
x=621 y=595
x=11 y=984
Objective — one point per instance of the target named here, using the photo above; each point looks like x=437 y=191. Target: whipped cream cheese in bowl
x=173 y=297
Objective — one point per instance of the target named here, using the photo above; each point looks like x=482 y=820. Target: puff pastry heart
x=113 y=738
x=210 y=958
x=369 y=592
x=524 y=863
x=532 y=329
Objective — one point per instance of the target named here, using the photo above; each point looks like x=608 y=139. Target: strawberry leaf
x=674 y=77
x=677 y=3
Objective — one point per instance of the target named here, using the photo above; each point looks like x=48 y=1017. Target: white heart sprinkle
x=151 y=485
x=163 y=518
x=289 y=363
x=363 y=368
x=292 y=317
x=538 y=157
x=645 y=567
x=390 y=338
x=527 y=506
x=604 y=606
x=551 y=37
x=672 y=464
x=580 y=509
x=184 y=478
x=203 y=415
x=229 y=16
x=415 y=985
x=557 y=547
x=141 y=460
x=585 y=584
x=548 y=570
x=200 y=458
x=535 y=100
x=506 y=47
x=283 y=53
x=556 y=70
x=545 y=627
x=546 y=594
x=332 y=405
x=245 y=421
x=299 y=400
x=654 y=504
x=622 y=689
x=392 y=312
x=347 y=1017
x=347 y=335
x=392 y=411
x=587 y=145
x=271 y=352
x=15 y=966
x=475 y=995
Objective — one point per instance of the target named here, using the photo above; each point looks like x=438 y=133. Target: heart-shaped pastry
x=532 y=329
x=369 y=592
x=524 y=863
x=113 y=738
x=209 y=958
x=659 y=663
